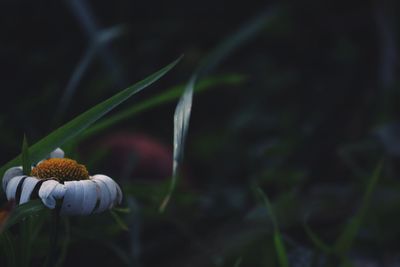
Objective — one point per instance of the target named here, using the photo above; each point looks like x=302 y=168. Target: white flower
x=63 y=179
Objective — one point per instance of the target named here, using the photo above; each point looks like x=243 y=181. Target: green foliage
x=346 y=240
x=277 y=237
x=71 y=129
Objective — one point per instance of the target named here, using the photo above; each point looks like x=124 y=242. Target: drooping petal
x=11 y=173
x=73 y=198
x=115 y=190
x=27 y=188
x=89 y=196
x=57 y=153
x=104 y=196
x=12 y=186
x=49 y=191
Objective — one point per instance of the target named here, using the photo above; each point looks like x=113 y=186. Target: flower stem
x=53 y=251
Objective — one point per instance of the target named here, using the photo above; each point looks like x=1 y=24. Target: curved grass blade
x=247 y=31
x=104 y=37
x=181 y=126
x=165 y=97
x=7 y=244
x=119 y=221
x=345 y=241
x=317 y=241
x=183 y=109
x=279 y=245
x=81 y=122
x=24 y=211
x=238 y=262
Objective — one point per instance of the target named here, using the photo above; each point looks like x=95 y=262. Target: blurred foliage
x=306 y=109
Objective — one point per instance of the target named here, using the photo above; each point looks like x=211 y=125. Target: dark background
x=314 y=112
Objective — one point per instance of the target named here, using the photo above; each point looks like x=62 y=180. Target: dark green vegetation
x=292 y=152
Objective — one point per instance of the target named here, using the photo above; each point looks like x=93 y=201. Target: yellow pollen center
x=63 y=169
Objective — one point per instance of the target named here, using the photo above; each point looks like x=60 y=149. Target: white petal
x=73 y=198
x=104 y=196
x=89 y=196
x=49 y=191
x=13 y=185
x=57 y=153
x=115 y=190
x=27 y=188
x=11 y=173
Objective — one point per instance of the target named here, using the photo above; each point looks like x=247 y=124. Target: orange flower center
x=62 y=169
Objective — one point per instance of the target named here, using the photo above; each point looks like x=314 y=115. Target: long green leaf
x=183 y=108
x=181 y=126
x=23 y=211
x=318 y=242
x=278 y=242
x=162 y=98
x=346 y=239
x=120 y=222
x=71 y=129
x=7 y=243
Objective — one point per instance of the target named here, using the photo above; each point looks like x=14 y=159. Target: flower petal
x=104 y=196
x=12 y=186
x=49 y=191
x=115 y=190
x=73 y=198
x=57 y=153
x=27 y=188
x=89 y=196
x=11 y=173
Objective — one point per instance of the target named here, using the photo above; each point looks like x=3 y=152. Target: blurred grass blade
x=280 y=249
x=103 y=38
x=183 y=109
x=232 y=42
x=345 y=241
x=238 y=262
x=25 y=241
x=181 y=126
x=7 y=245
x=165 y=97
x=23 y=211
x=26 y=163
x=278 y=242
x=71 y=129
x=119 y=221
x=318 y=243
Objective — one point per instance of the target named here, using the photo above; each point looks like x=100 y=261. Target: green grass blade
x=181 y=126
x=163 y=98
x=345 y=241
x=280 y=249
x=247 y=31
x=120 y=222
x=183 y=109
x=71 y=129
x=25 y=228
x=23 y=211
x=8 y=246
x=278 y=242
x=318 y=242
x=238 y=262
x=66 y=240
x=26 y=163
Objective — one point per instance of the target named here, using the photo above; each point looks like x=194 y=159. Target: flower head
x=59 y=178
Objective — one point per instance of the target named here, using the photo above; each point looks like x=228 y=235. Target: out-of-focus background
x=305 y=108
